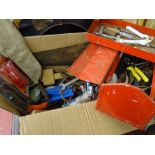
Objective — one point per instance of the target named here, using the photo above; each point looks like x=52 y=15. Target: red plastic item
x=94 y=63
x=126 y=103
x=13 y=75
x=147 y=55
x=41 y=106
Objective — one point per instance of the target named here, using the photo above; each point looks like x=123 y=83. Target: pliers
x=136 y=71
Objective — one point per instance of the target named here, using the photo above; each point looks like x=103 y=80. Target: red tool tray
x=147 y=55
x=94 y=63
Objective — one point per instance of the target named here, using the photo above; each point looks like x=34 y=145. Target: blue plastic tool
x=56 y=94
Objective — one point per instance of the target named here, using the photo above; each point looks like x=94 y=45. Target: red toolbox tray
x=94 y=63
x=147 y=55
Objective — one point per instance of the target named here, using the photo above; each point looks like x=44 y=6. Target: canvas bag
x=13 y=45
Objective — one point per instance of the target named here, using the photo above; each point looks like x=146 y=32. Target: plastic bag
x=13 y=75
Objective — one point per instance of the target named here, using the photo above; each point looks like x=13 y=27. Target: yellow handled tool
x=142 y=75
x=130 y=68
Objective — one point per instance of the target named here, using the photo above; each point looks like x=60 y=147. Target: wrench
x=68 y=83
x=141 y=35
x=145 y=38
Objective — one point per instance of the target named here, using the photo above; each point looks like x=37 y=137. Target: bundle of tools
x=58 y=90
x=127 y=35
x=72 y=92
x=135 y=71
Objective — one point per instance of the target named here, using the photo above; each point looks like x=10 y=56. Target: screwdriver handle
x=142 y=75
x=130 y=68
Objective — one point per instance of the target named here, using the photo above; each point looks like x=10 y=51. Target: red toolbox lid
x=94 y=63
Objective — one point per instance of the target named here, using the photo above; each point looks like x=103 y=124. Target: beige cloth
x=13 y=45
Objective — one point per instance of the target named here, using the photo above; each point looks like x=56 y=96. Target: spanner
x=141 y=35
x=68 y=83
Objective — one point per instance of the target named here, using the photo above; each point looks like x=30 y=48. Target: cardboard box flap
x=78 y=119
x=49 y=42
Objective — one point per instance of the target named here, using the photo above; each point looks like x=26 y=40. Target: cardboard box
x=79 y=119
x=74 y=120
x=47 y=42
x=50 y=42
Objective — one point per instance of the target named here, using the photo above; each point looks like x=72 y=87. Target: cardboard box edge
x=49 y=42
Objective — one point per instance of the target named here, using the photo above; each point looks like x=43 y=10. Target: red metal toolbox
x=119 y=105
x=147 y=55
